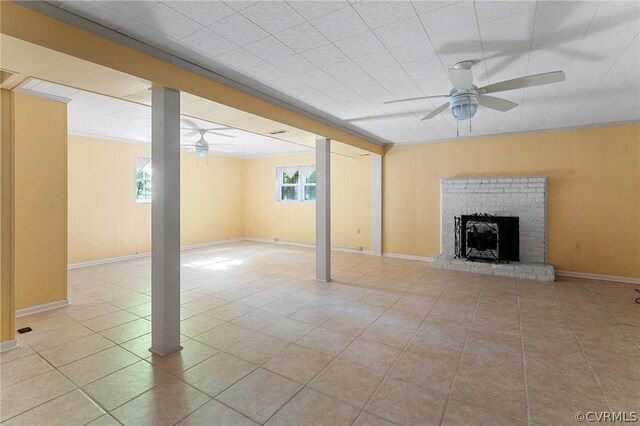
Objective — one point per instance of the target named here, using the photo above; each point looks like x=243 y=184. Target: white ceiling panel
x=379 y=13
x=450 y=19
x=302 y=37
x=314 y=9
x=169 y=22
x=205 y=13
x=207 y=42
x=100 y=116
x=347 y=58
x=340 y=24
x=360 y=45
x=272 y=16
x=239 y=29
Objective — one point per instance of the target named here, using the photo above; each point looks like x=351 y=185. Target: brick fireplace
x=524 y=198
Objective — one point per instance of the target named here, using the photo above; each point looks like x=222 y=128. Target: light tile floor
x=388 y=341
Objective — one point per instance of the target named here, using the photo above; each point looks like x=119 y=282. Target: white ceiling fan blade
x=189 y=132
x=220 y=134
x=415 y=99
x=522 y=82
x=436 y=111
x=190 y=123
x=222 y=147
x=496 y=103
x=461 y=78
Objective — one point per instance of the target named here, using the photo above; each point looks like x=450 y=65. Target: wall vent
x=277 y=132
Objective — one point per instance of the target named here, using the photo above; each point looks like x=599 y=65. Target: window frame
x=302 y=183
x=150 y=180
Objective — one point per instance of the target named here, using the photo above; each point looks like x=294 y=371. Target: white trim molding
x=41 y=308
x=589 y=276
x=8 y=345
x=408 y=257
x=306 y=245
x=147 y=254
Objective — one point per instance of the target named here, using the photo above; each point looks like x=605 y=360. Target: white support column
x=323 y=210
x=165 y=221
x=377 y=205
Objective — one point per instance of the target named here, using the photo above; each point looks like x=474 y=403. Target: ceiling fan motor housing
x=463 y=103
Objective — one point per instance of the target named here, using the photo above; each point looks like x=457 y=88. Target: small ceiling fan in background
x=465 y=97
x=201 y=146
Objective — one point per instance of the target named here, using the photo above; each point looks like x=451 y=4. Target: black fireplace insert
x=482 y=237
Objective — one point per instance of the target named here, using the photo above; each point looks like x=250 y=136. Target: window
x=143 y=180
x=296 y=183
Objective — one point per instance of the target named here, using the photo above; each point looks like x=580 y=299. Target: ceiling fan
x=201 y=146
x=464 y=98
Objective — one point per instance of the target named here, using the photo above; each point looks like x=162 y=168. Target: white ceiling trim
x=520 y=132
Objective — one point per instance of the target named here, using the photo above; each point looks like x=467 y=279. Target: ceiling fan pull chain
x=469 y=124
x=457 y=129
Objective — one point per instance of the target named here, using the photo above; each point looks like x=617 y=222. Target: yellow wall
x=7 y=283
x=351 y=202
x=594 y=192
x=40 y=201
x=105 y=221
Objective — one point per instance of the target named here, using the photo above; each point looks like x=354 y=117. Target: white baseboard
x=8 y=345
x=408 y=257
x=306 y=245
x=147 y=254
x=615 y=278
x=41 y=308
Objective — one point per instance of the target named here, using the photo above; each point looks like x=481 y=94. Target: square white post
x=377 y=205
x=323 y=209
x=165 y=221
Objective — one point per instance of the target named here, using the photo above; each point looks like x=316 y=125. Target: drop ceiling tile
x=315 y=9
x=270 y=49
x=239 y=5
x=302 y=38
x=130 y=8
x=239 y=30
x=169 y=22
x=422 y=7
x=294 y=64
x=325 y=55
x=412 y=52
x=273 y=16
x=349 y=73
x=317 y=78
x=401 y=33
x=450 y=19
x=381 y=13
x=360 y=45
x=376 y=61
x=429 y=76
x=341 y=24
x=145 y=34
x=489 y=11
x=96 y=13
x=203 y=12
x=287 y=83
x=240 y=59
x=266 y=73
x=564 y=14
x=207 y=42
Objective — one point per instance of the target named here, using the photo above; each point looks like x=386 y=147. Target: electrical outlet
x=358 y=230
x=578 y=245
x=276 y=239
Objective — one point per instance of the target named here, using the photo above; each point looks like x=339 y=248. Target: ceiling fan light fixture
x=202 y=151
x=464 y=106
